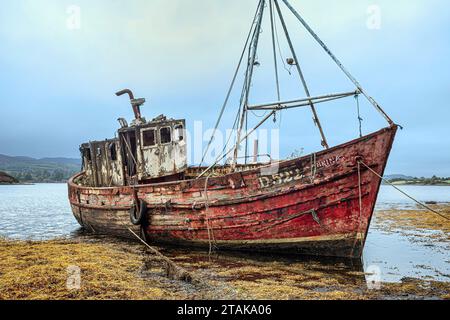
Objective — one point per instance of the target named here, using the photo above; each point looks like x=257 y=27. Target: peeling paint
x=318 y=214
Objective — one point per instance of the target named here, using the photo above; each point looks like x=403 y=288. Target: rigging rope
x=302 y=77
x=360 y=210
x=277 y=81
x=231 y=86
x=246 y=140
x=279 y=48
x=231 y=133
x=252 y=51
x=211 y=238
x=336 y=60
x=403 y=192
x=360 y=195
x=359 y=115
x=257 y=115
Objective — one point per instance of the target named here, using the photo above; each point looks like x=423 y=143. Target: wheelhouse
x=144 y=152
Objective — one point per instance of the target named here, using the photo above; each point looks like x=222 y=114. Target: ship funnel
x=135 y=103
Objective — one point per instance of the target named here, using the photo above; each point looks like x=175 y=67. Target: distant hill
x=27 y=169
x=401 y=179
x=398 y=177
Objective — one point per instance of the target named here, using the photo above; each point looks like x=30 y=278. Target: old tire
x=138 y=213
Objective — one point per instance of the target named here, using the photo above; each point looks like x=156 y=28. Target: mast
x=302 y=77
x=254 y=21
x=248 y=80
x=309 y=101
x=272 y=24
x=340 y=65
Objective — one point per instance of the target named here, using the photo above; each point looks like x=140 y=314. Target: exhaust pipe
x=135 y=103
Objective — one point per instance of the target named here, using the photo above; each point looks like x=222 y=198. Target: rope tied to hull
x=360 y=196
x=211 y=238
x=313 y=167
x=173 y=270
x=403 y=192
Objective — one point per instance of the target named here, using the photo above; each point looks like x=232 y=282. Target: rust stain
x=247 y=210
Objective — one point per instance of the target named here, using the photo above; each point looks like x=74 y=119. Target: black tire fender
x=138 y=214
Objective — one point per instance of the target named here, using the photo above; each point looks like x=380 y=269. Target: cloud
x=150 y=40
x=181 y=55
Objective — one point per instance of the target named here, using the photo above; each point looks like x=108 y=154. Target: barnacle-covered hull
x=321 y=204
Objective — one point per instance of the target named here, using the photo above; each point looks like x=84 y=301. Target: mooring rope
x=360 y=196
x=313 y=167
x=179 y=273
x=404 y=193
x=360 y=210
x=211 y=238
x=173 y=270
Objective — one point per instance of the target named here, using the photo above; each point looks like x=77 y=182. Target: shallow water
x=36 y=212
x=42 y=212
x=389 y=198
x=396 y=255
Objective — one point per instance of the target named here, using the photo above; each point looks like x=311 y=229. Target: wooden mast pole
x=302 y=77
x=340 y=65
x=248 y=81
x=272 y=25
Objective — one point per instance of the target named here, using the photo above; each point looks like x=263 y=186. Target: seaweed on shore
x=115 y=269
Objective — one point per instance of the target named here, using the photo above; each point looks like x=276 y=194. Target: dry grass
x=117 y=270
x=38 y=270
x=329 y=288
x=113 y=269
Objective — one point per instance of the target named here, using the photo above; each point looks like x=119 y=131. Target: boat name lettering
x=329 y=162
x=280 y=178
x=296 y=174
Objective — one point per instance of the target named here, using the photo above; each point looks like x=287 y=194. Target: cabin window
x=179 y=133
x=149 y=138
x=166 y=136
x=113 y=151
x=87 y=154
x=99 y=151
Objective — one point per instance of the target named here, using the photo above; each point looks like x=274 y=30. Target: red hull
x=311 y=205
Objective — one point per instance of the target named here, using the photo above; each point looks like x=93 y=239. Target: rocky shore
x=7 y=179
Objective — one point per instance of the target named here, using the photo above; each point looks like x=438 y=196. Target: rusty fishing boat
x=320 y=204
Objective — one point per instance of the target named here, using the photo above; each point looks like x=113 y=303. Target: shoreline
x=30 y=183
x=117 y=269
x=418 y=184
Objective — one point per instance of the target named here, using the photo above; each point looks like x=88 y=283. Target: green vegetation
x=48 y=170
x=433 y=181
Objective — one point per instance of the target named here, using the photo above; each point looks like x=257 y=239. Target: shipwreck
x=319 y=204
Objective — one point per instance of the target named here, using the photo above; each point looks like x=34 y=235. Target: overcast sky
x=58 y=76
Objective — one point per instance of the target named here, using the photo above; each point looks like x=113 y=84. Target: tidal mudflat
x=115 y=269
